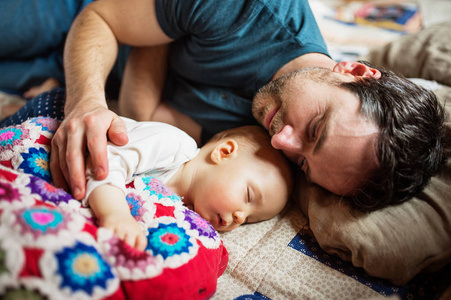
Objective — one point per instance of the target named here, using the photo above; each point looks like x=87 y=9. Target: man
x=220 y=53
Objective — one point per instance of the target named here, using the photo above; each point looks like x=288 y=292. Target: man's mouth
x=269 y=117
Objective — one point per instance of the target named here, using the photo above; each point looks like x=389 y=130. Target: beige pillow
x=426 y=54
x=395 y=243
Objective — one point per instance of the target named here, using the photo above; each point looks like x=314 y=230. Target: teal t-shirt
x=225 y=50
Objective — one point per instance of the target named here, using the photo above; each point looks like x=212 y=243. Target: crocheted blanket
x=51 y=247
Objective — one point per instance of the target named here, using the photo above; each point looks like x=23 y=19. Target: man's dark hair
x=411 y=142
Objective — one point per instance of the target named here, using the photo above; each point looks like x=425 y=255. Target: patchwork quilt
x=51 y=247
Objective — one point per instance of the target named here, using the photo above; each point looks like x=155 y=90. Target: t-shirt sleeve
x=204 y=19
x=174 y=17
x=215 y=19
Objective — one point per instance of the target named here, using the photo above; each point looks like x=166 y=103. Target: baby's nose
x=238 y=217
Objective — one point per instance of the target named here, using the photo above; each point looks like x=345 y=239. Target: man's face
x=318 y=126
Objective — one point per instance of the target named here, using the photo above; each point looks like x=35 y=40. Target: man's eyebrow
x=324 y=133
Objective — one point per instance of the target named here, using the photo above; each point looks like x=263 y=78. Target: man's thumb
x=117 y=133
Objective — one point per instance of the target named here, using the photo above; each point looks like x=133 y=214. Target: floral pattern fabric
x=50 y=246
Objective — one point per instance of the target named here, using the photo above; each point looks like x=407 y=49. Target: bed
x=317 y=248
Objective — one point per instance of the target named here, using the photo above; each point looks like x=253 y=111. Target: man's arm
x=142 y=89
x=166 y=114
x=90 y=52
x=143 y=82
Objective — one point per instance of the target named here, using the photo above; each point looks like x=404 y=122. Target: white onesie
x=154 y=149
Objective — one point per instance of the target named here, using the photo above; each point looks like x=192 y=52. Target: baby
x=236 y=178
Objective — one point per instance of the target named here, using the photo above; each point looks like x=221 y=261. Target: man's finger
x=118 y=132
x=97 y=147
x=75 y=158
x=58 y=159
x=55 y=171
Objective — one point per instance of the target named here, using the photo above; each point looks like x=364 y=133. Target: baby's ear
x=224 y=150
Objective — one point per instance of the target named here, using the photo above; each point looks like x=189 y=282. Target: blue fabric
x=32 y=36
x=49 y=104
x=225 y=50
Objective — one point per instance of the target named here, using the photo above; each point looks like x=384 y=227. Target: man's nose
x=286 y=140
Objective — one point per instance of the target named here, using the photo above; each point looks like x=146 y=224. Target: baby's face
x=243 y=191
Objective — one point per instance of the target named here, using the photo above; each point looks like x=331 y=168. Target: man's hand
x=127 y=229
x=85 y=128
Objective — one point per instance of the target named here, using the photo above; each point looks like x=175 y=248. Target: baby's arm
x=112 y=211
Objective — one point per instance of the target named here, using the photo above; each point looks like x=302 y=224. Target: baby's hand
x=127 y=229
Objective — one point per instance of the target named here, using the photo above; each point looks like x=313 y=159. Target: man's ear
x=227 y=149
x=356 y=69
